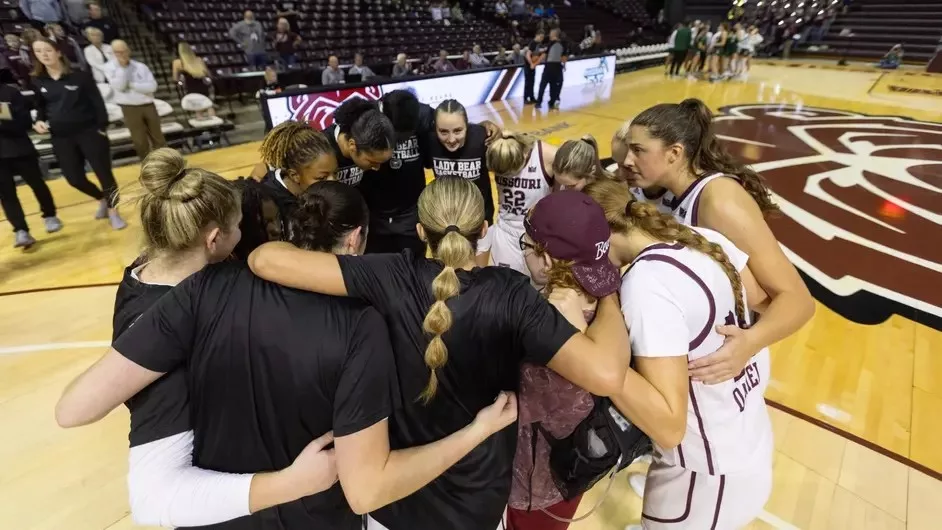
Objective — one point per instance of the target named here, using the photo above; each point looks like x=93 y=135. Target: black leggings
x=678 y=60
x=91 y=145
x=27 y=168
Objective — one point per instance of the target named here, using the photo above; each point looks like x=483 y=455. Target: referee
x=535 y=53
x=553 y=70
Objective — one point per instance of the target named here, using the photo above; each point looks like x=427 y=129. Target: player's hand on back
x=498 y=415
x=315 y=469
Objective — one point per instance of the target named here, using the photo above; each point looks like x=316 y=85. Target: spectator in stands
x=272 y=84
x=500 y=9
x=192 y=75
x=97 y=54
x=518 y=8
x=286 y=11
x=550 y=11
x=436 y=10
x=134 y=88
x=892 y=59
x=360 y=69
x=70 y=108
x=477 y=58
x=67 y=46
x=75 y=12
x=540 y=11
x=516 y=55
x=456 y=13
x=286 y=43
x=19 y=157
x=332 y=75
x=502 y=58
x=464 y=62
x=401 y=68
x=106 y=24
x=41 y=12
x=443 y=65
x=17 y=58
x=250 y=36
x=446 y=12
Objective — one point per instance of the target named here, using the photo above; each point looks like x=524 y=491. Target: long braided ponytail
x=623 y=212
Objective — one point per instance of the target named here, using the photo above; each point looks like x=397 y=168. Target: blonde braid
x=615 y=198
x=665 y=228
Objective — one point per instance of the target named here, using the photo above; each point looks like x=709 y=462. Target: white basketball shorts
x=679 y=499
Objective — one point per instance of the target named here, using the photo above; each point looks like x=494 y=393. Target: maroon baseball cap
x=571 y=226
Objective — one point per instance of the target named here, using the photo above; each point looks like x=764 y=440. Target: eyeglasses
x=524 y=245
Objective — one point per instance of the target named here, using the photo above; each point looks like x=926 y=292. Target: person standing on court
x=533 y=56
x=683 y=37
x=553 y=70
x=19 y=157
x=134 y=87
x=250 y=36
x=70 y=108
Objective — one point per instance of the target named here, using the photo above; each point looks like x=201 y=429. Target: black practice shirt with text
x=270 y=369
x=347 y=171
x=163 y=408
x=393 y=190
x=469 y=162
x=499 y=322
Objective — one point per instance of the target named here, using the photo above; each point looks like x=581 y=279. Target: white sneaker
x=637 y=482
x=22 y=239
x=102 y=211
x=53 y=224
x=117 y=223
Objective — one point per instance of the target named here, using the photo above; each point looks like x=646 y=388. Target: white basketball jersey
x=686 y=208
x=516 y=194
x=673 y=298
x=663 y=202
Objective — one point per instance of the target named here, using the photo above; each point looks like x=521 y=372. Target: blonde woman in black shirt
x=71 y=109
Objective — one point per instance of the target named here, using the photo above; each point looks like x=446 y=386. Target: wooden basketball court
x=855 y=397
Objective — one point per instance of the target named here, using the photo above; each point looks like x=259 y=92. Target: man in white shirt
x=134 y=87
x=97 y=54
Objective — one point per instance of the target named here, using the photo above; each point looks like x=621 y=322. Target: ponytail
x=508 y=154
x=690 y=123
x=624 y=213
x=580 y=158
x=451 y=212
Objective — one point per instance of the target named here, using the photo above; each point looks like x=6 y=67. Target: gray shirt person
x=555 y=53
x=249 y=35
x=332 y=77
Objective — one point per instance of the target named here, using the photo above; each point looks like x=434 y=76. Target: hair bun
x=164 y=175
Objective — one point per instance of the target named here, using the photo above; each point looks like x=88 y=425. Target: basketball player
x=523 y=171
x=295 y=364
x=190 y=218
x=457 y=149
x=362 y=139
x=673 y=146
x=460 y=334
x=577 y=163
x=713 y=441
x=562 y=241
x=300 y=156
x=392 y=191
x=718 y=50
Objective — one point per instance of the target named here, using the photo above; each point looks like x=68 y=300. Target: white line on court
x=776 y=522
x=28 y=348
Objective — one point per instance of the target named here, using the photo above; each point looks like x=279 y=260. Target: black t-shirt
x=469 y=162
x=347 y=171
x=499 y=322
x=162 y=409
x=393 y=190
x=536 y=49
x=270 y=369
x=285 y=200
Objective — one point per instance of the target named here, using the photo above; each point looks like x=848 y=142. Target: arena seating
x=879 y=24
x=330 y=27
x=712 y=10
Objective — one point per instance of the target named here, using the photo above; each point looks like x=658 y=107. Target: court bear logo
x=862 y=202
x=318 y=109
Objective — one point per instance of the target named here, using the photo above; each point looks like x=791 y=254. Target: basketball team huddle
x=333 y=343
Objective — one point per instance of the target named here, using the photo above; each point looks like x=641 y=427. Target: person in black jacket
x=19 y=157
x=71 y=109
